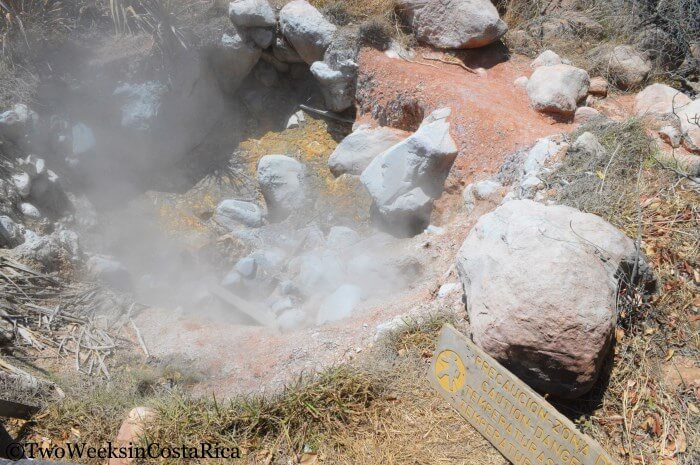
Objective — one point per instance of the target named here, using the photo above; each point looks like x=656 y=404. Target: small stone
x=584 y=114
x=30 y=211
x=247 y=267
x=598 y=87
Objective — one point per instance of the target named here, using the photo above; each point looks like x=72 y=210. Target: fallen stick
x=139 y=338
x=325 y=114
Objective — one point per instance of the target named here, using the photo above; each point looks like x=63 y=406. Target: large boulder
x=623 y=65
x=232 y=213
x=337 y=85
x=557 y=89
x=337 y=73
x=405 y=179
x=233 y=59
x=17 y=122
x=140 y=104
x=252 y=13
x=283 y=184
x=453 y=23
x=541 y=286
x=306 y=29
x=357 y=150
x=659 y=100
x=690 y=125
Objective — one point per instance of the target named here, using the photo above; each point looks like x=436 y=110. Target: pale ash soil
x=491 y=119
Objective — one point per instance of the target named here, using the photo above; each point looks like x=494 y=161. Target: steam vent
x=350 y=232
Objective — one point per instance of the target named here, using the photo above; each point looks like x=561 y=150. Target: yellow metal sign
x=520 y=423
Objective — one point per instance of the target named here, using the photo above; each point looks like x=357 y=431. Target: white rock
x=540 y=153
x=296 y=119
x=557 y=89
x=283 y=184
x=546 y=58
x=357 y=150
x=453 y=23
x=447 y=289
x=337 y=85
x=405 y=179
x=23 y=183
x=660 y=100
x=252 y=13
x=521 y=82
x=339 y=305
x=30 y=211
x=306 y=29
x=233 y=59
x=232 y=213
x=541 y=285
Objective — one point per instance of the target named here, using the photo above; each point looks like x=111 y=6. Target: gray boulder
x=10 y=233
x=30 y=211
x=541 y=285
x=339 y=305
x=357 y=150
x=405 y=179
x=623 y=65
x=252 y=13
x=337 y=85
x=557 y=89
x=232 y=213
x=453 y=23
x=17 y=122
x=547 y=58
x=660 y=100
x=233 y=59
x=309 y=32
x=282 y=181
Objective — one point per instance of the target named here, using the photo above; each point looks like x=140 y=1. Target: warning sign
x=520 y=423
